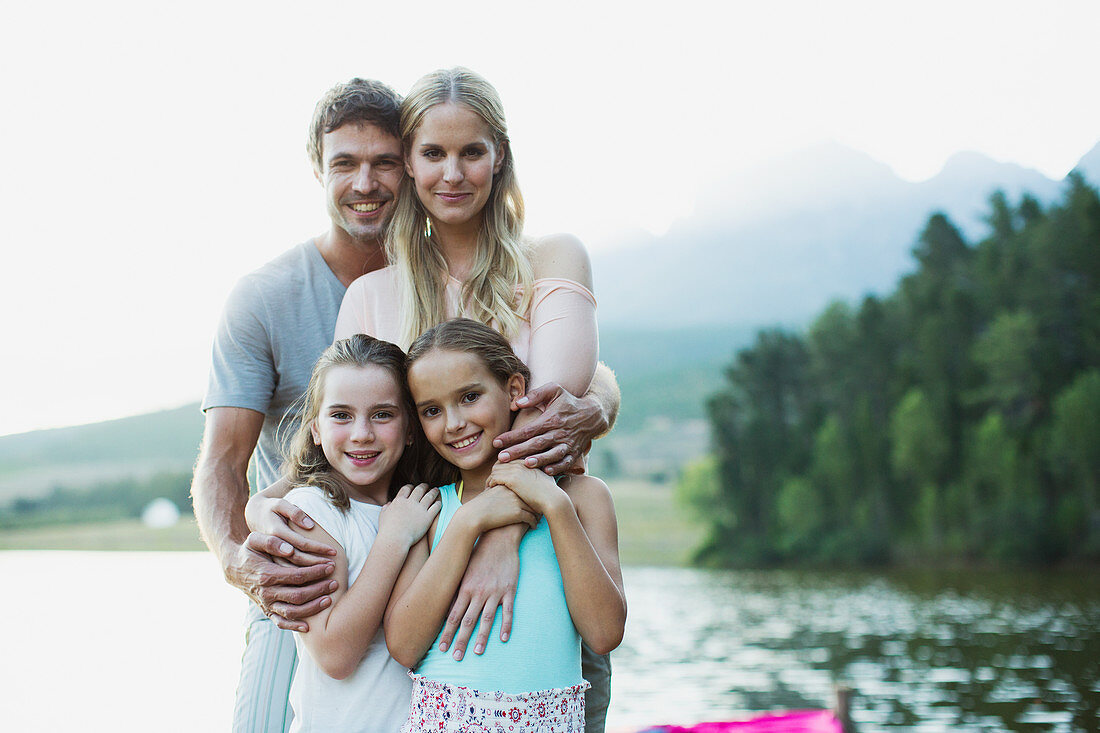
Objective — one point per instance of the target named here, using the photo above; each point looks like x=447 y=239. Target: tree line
x=106 y=501
x=956 y=418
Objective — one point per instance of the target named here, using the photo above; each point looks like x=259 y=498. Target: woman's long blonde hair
x=501 y=264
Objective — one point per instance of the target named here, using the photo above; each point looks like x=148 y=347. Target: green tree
x=760 y=438
x=1007 y=354
x=1074 y=453
x=919 y=454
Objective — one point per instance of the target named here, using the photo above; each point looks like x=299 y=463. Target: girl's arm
x=585 y=534
x=427 y=585
x=340 y=635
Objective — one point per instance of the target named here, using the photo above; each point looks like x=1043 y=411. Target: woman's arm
x=427 y=585
x=565 y=343
x=571 y=401
x=340 y=635
x=583 y=528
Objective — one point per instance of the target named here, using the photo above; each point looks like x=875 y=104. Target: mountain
x=1089 y=165
x=776 y=244
x=136 y=447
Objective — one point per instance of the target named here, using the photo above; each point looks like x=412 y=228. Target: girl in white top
x=350 y=452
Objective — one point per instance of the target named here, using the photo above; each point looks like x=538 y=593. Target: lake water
x=151 y=641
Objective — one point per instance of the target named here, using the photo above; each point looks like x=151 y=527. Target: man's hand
x=490 y=581
x=281 y=519
x=560 y=437
x=285 y=592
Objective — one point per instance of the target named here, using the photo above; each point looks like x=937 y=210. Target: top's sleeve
x=242 y=371
x=311 y=501
x=354 y=314
x=565 y=341
x=370 y=307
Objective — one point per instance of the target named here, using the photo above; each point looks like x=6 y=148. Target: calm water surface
x=151 y=641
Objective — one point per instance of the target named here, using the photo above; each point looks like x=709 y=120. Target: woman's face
x=452 y=161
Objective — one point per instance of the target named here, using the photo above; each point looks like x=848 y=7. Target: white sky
x=151 y=155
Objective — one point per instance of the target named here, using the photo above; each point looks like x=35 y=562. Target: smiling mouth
x=452 y=197
x=365 y=457
x=366 y=207
x=465 y=442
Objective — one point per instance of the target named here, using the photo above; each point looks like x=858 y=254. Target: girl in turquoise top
x=465 y=380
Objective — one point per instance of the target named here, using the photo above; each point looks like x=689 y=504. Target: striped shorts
x=267 y=668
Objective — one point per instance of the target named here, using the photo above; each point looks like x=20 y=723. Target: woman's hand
x=410 y=513
x=273 y=524
x=534 y=487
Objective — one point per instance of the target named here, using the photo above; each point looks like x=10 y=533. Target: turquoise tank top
x=544 y=649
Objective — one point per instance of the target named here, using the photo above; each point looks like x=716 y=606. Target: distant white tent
x=160 y=513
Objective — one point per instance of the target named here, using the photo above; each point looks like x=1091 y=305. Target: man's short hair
x=358 y=100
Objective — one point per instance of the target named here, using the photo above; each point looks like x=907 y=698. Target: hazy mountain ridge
x=776 y=244
x=773 y=246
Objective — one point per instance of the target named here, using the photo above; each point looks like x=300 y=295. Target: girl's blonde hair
x=501 y=263
x=468 y=337
x=306 y=464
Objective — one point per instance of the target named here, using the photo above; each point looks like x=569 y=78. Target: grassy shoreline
x=652 y=530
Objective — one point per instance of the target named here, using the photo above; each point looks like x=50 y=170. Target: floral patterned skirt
x=444 y=708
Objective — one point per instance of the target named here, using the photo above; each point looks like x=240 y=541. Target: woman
x=457 y=247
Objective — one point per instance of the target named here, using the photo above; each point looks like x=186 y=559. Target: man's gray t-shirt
x=276 y=322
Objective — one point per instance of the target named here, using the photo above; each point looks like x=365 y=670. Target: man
x=276 y=323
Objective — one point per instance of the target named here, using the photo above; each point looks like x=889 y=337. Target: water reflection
x=925 y=652
x=976 y=651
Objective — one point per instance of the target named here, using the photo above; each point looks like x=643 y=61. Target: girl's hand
x=537 y=489
x=409 y=514
x=275 y=522
x=498 y=506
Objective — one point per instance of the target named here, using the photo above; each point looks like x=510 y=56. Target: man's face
x=361 y=171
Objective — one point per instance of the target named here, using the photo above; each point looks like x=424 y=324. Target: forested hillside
x=957 y=417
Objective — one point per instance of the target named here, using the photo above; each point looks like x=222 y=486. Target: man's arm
x=219 y=492
x=562 y=434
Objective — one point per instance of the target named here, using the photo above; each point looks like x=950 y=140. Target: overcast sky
x=151 y=155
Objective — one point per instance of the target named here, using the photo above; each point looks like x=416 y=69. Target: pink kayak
x=807 y=721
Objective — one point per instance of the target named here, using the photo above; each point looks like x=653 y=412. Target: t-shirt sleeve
x=565 y=342
x=242 y=372
x=311 y=501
